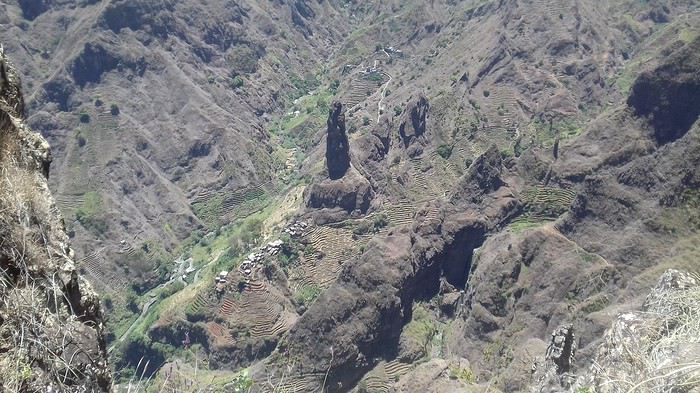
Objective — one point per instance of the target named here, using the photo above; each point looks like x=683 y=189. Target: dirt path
x=380 y=108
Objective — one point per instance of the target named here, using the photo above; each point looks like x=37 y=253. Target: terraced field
x=543 y=205
x=292 y=383
x=502 y=106
x=549 y=200
x=211 y=206
x=333 y=247
x=257 y=311
x=109 y=281
x=380 y=379
x=220 y=333
x=362 y=86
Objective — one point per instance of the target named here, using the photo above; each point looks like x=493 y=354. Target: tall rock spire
x=337 y=144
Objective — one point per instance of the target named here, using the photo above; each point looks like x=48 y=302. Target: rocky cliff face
x=345 y=188
x=337 y=145
x=668 y=94
x=51 y=326
x=413 y=124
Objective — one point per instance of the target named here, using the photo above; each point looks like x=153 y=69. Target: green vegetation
x=526 y=222
x=422 y=327
x=242 y=60
x=289 y=253
x=378 y=222
x=114 y=110
x=89 y=214
x=236 y=82
x=375 y=77
x=303 y=85
x=307 y=294
x=444 y=151
x=565 y=128
x=299 y=127
x=242 y=383
x=84 y=117
x=464 y=374
x=585 y=390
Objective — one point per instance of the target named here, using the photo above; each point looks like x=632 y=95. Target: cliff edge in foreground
x=51 y=325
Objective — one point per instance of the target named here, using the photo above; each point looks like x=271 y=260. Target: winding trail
x=380 y=108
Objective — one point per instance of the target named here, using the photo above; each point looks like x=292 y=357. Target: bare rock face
x=51 y=325
x=351 y=192
x=337 y=144
x=669 y=95
x=413 y=124
x=562 y=348
x=346 y=188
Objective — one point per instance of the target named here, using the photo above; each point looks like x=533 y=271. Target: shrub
x=307 y=294
x=171 y=289
x=132 y=303
x=243 y=60
x=98 y=103
x=81 y=140
x=107 y=302
x=487 y=93
x=380 y=221
x=237 y=82
x=84 y=118
x=114 y=110
x=398 y=110
x=445 y=151
x=242 y=383
x=365 y=121
x=334 y=86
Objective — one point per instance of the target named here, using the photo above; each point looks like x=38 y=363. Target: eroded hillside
x=366 y=196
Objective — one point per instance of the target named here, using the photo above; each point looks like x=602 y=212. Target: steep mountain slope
x=484 y=178
x=51 y=325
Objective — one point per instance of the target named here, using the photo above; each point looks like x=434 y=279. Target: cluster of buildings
x=296 y=229
x=255 y=259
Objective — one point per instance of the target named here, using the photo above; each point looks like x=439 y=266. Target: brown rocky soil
x=493 y=172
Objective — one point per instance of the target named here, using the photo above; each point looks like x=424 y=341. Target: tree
x=132 y=302
x=237 y=82
x=114 y=110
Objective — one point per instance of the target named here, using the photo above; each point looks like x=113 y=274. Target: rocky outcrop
x=669 y=94
x=51 y=326
x=551 y=372
x=337 y=144
x=359 y=319
x=413 y=123
x=345 y=188
x=653 y=349
x=98 y=58
x=351 y=193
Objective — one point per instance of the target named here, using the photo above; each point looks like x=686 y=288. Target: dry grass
x=657 y=350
